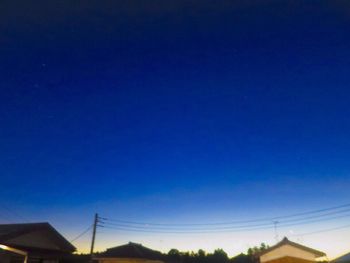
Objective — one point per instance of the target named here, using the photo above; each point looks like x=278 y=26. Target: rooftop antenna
x=275 y=222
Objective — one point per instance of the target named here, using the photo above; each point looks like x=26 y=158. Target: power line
x=14 y=213
x=81 y=234
x=225 y=227
x=229 y=222
x=322 y=231
x=314 y=221
x=195 y=231
x=6 y=218
x=290 y=222
x=317 y=216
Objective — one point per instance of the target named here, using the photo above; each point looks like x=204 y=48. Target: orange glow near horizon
x=232 y=243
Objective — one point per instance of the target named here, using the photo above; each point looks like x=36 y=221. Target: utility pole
x=93 y=236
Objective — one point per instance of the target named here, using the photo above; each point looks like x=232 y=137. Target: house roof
x=286 y=241
x=343 y=258
x=11 y=231
x=132 y=250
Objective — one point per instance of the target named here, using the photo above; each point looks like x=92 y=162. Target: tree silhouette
x=255 y=251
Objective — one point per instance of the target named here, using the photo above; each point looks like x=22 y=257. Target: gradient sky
x=175 y=111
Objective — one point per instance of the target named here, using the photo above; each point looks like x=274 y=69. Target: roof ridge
x=133 y=250
x=23 y=224
x=286 y=241
x=347 y=254
x=14 y=230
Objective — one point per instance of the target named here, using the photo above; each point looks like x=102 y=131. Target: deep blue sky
x=173 y=110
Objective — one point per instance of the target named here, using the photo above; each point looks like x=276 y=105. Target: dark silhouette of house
x=32 y=242
x=342 y=259
x=287 y=251
x=130 y=253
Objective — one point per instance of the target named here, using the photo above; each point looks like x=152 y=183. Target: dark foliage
x=176 y=256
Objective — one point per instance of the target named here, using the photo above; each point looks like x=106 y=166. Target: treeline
x=218 y=256
x=175 y=256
